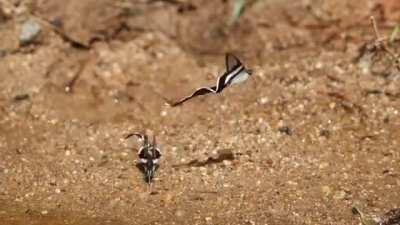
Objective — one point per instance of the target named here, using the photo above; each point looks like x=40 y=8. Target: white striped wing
x=239 y=78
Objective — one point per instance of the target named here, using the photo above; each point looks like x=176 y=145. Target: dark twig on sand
x=381 y=43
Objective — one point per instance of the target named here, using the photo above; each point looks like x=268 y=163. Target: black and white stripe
x=235 y=73
x=149 y=155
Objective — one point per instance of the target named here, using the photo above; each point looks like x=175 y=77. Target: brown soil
x=310 y=133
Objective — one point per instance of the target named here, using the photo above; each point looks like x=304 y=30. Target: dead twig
x=83 y=64
x=381 y=43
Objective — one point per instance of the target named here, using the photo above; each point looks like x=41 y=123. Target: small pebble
x=250 y=222
x=339 y=195
x=168 y=199
x=179 y=213
x=263 y=100
x=285 y=130
x=326 y=190
x=30 y=30
x=227 y=162
x=319 y=65
x=323 y=165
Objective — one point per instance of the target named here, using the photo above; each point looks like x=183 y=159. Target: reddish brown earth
x=310 y=133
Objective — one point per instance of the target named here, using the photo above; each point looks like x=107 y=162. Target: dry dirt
x=310 y=133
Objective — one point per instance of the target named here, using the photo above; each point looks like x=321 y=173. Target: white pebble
x=263 y=100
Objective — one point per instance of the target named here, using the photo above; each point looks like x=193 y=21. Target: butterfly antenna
x=154 y=141
x=140 y=136
x=130 y=135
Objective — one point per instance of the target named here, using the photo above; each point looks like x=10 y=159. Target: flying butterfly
x=235 y=73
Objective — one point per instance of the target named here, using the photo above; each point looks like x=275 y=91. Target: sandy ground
x=308 y=135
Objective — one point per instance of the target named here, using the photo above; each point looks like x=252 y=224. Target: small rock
x=263 y=100
x=323 y=165
x=179 y=213
x=203 y=171
x=285 y=130
x=30 y=30
x=44 y=212
x=326 y=190
x=168 y=199
x=250 y=222
x=324 y=133
x=318 y=65
x=227 y=163
x=339 y=195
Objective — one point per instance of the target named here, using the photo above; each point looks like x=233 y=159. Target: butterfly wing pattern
x=198 y=92
x=236 y=72
x=149 y=155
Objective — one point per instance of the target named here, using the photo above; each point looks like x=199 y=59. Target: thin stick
x=377 y=35
x=71 y=83
x=381 y=41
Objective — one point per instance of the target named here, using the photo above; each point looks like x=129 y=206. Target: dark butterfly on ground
x=235 y=73
x=149 y=155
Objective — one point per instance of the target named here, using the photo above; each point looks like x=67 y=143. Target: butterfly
x=149 y=155
x=235 y=73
